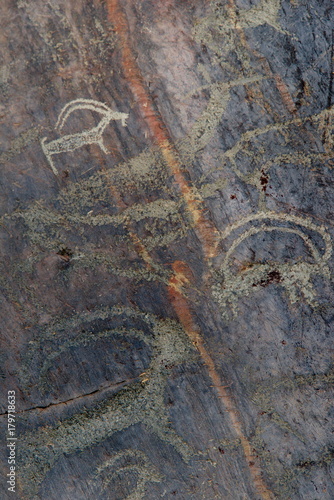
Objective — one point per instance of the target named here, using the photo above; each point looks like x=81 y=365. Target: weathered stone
x=166 y=232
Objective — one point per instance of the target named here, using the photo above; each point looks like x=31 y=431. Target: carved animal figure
x=70 y=142
x=294 y=277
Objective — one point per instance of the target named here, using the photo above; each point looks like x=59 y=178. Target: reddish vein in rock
x=181 y=278
x=280 y=84
x=205 y=230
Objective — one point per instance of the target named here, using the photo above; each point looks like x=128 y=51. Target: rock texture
x=166 y=231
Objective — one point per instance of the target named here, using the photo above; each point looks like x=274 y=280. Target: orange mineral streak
x=141 y=248
x=285 y=94
x=205 y=230
x=181 y=277
x=138 y=245
x=280 y=84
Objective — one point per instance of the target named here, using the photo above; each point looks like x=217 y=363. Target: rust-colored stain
x=181 y=277
x=285 y=94
x=138 y=245
x=205 y=230
x=280 y=84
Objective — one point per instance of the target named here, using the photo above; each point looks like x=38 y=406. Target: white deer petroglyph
x=71 y=142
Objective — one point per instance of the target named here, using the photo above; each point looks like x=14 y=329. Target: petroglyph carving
x=125 y=462
x=251 y=145
x=74 y=141
x=280 y=127
x=266 y=12
x=260 y=176
x=128 y=407
x=206 y=125
x=224 y=19
x=293 y=277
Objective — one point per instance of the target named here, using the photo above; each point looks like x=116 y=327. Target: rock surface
x=166 y=231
